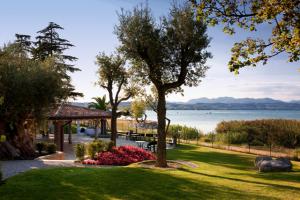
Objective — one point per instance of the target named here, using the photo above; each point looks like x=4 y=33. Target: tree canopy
x=281 y=17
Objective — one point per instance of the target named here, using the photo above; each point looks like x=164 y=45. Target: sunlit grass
x=220 y=175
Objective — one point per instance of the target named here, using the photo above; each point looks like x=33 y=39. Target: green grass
x=220 y=175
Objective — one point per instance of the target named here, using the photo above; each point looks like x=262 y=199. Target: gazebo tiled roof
x=71 y=112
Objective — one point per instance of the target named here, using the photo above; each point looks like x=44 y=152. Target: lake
x=206 y=120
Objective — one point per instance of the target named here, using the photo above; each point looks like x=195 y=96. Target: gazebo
x=64 y=114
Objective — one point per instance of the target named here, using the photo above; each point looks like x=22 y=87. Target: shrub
x=279 y=132
x=80 y=151
x=74 y=128
x=184 y=132
x=123 y=155
x=40 y=146
x=95 y=147
x=2 y=138
x=51 y=148
x=233 y=138
x=210 y=137
x=174 y=131
x=208 y=140
x=296 y=154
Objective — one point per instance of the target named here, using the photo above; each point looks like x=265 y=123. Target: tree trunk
x=24 y=142
x=161 y=143
x=175 y=141
x=103 y=126
x=113 y=126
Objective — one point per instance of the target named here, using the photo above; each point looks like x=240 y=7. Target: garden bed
x=121 y=156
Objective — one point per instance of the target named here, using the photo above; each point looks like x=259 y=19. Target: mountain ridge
x=233 y=100
x=224 y=103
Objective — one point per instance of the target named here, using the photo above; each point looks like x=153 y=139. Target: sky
x=89 y=25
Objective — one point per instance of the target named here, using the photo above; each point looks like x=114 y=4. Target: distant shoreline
x=206 y=120
x=236 y=109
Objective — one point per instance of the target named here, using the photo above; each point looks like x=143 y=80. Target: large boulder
x=267 y=164
x=286 y=162
x=259 y=159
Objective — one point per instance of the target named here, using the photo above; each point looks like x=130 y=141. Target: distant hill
x=224 y=103
x=235 y=106
x=231 y=100
x=81 y=104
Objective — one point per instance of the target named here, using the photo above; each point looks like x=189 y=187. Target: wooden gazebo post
x=59 y=135
x=103 y=126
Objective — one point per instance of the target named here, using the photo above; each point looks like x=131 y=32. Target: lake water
x=206 y=120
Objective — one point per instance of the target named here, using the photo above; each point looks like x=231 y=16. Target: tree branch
x=119 y=88
x=104 y=86
x=125 y=98
x=182 y=75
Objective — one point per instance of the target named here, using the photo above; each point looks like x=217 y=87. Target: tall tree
x=283 y=18
x=115 y=78
x=50 y=44
x=170 y=54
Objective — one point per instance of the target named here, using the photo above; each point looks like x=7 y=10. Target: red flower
x=123 y=155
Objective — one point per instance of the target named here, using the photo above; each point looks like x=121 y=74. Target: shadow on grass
x=231 y=160
x=212 y=156
x=277 y=186
x=113 y=183
x=293 y=176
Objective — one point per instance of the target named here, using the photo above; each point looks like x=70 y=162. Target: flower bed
x=123 y=155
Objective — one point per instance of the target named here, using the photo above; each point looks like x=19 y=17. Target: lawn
x=220 y=175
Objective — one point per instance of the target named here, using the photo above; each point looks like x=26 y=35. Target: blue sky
x=89 y=25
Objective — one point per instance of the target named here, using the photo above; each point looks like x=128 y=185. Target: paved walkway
x=14 y=167
x=62 y=159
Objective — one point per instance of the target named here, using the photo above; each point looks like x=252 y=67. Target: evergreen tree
x=50 y=44
x=23 y=44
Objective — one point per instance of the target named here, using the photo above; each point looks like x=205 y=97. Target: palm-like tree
x=100 y=103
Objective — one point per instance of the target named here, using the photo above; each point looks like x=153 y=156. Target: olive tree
x=170 y=53
x=28 y=90
x=281 y=18
x=114 y=76
x=138 y=110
